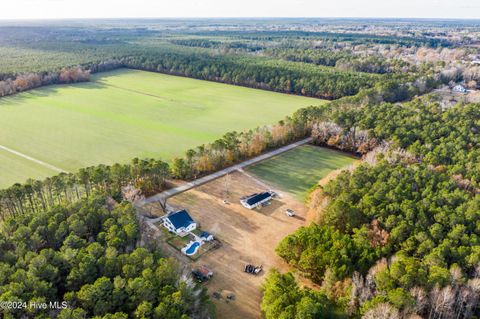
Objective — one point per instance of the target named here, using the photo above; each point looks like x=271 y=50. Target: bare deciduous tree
x=382 y=311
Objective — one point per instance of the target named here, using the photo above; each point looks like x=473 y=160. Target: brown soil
x=248 y=236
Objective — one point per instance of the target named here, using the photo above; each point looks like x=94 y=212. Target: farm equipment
x=251 y=269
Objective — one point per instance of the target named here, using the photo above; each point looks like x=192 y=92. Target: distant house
x=459 y=88
x=180 y=222
x=256 y=200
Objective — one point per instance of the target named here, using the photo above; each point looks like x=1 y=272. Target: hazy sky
x=48 y=9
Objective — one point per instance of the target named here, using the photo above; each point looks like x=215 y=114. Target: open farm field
x=12 y=165
x=124 y=114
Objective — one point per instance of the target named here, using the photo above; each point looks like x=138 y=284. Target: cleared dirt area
x=248 y=236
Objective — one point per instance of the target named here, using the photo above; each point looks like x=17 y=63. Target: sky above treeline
x=64 y=9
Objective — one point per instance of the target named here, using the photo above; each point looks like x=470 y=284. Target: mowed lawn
x=124 y=114
x=298 y=170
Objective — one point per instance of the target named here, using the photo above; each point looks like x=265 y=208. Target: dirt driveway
x=248 y=236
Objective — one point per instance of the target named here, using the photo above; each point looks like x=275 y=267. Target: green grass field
x=12 y=165
x=298 y=170
x=124 y=114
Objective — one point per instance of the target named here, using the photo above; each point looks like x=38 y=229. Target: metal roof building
x=256 y=200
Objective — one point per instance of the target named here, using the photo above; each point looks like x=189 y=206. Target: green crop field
x=13 y=166
x=124 y=114
x=298 y=170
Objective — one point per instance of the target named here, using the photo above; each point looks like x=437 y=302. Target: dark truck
x=251 y=269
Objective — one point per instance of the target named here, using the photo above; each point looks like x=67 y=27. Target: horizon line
x=239 y=18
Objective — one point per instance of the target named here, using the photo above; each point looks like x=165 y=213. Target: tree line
x=283 y=69
x=354 y=38
x=24 y=82
x=235 y=147
x=283 y=298
x=218 y=56
x=198 y=62
x=256 y=72
x=35 y=196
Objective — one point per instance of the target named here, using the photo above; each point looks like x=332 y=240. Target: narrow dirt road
x=200 y=181
x=49 y=166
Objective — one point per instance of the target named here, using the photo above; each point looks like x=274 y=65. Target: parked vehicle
x=251 y=269
x=290 y=213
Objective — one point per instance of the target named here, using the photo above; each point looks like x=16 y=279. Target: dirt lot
x=248 y=236
x=449 y=98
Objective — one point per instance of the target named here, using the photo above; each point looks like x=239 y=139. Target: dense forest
x=319 y=64
x=295 y=64
x=341 y=59
x=86 y=254
x=351 y=37
x=283 y=298
x=400 y=234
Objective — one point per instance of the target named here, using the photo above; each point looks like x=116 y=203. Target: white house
x=180 y=222
x=256 y=200
x=460 y=89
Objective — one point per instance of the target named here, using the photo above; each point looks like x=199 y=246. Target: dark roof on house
x=204 y=234
x=255 y=198
x=180 y=219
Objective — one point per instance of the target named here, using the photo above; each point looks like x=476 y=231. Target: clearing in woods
x=251 y=236
x=248 y=237
x=298 y=170
x=124 y=114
